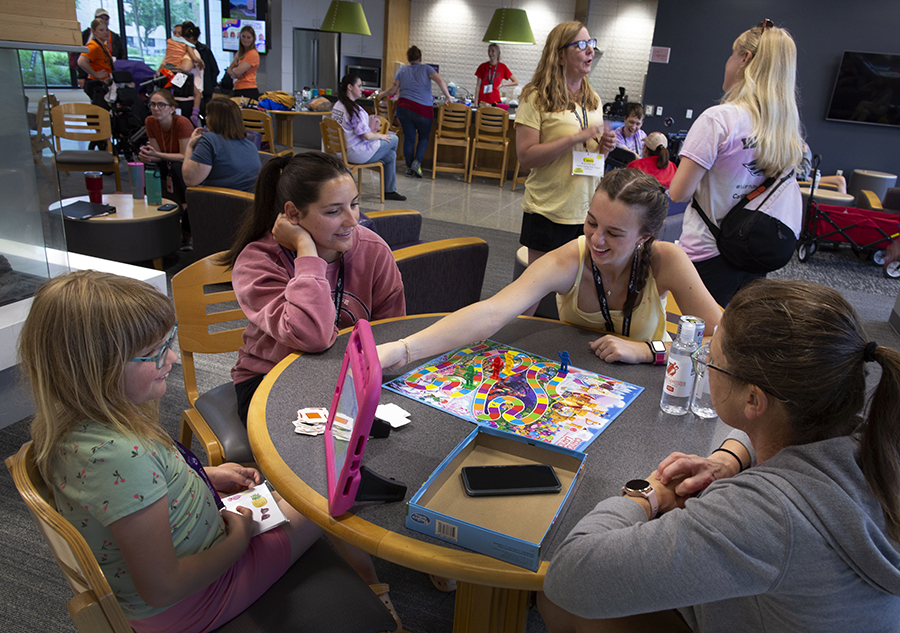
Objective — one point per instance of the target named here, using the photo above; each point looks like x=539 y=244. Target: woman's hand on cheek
x=293 y=236
x=613 y=349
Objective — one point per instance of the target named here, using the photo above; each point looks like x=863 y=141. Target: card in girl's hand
x=259 y=500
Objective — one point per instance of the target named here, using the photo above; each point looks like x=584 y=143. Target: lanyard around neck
x=604 y=305
x=583 y=124
x=338 y=286
x=191 y=460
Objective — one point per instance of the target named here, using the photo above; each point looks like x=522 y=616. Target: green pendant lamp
x=509 y=26
x=345 y=17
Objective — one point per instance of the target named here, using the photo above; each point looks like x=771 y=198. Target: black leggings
x=722 y=279
x=245 y=391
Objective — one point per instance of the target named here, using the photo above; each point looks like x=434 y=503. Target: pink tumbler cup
x=93 y=180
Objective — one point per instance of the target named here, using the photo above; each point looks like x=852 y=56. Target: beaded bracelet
x=409 y=356
x=733 y=454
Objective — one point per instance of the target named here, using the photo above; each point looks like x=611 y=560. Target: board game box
x=499 y=386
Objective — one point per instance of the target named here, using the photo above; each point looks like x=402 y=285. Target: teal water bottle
x=153 y=185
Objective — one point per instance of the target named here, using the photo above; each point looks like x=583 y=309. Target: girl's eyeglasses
x=581 y=44
x=159 y=356
x=700 y=364
x=158 y=105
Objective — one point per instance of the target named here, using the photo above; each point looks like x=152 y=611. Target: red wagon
x=867 y=232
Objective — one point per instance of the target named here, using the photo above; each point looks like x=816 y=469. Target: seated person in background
x=182 y=56
x=615 y=276
x=167 y=140
x=221 y=157
x=364 y=143
x=173 y=561
x=656 y=159
x=758 y=549
x=631 y=136
x=303 y=268
x=804 y=172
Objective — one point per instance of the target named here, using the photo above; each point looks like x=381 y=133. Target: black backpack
x=750 y=239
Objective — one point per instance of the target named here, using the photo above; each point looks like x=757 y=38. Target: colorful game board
x=505 y=388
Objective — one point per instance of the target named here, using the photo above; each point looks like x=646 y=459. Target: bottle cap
x=691 y=328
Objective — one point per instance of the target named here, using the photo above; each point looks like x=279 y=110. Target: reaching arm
x=555 y=272
x=436 y=78
x=160 y=577
x=394 y=89
x=686 y=180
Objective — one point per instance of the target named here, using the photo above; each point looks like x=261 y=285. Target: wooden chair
x=442 y=276
x=386 y=109
x=256 y=121
x=308 y=597
x=334 y=142
x=84 y=122
x=491 y=127
x=516 y=179
x=40 y=141
x=215 y=214
x=452 y=130
x=212 y=417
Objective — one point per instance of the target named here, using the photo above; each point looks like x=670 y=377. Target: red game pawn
x=495 y=368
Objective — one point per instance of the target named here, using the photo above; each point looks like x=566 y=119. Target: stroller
x=867 y=232
x=128 y=115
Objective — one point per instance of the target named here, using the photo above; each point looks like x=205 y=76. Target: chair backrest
x=442 y=276
x=265 y=157
x=384 y=107
x=891 y=201
x=397 y=227
x=454 y=120
x=201 y=311
x=333 y=139
x=215 y=214
x=94 y=607
x=81 y=122
x=256 y=121
x=491 y=124
x=45 y=104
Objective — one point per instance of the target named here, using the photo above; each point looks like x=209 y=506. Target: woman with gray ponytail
x=808 y=539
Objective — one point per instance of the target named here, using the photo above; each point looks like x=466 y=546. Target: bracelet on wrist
x=409 y=353
x=733 y=454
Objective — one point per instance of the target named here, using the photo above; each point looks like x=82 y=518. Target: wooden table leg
x=482 y=609
x=285 y=132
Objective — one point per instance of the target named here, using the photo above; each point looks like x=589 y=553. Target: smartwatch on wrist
x=642 y=488
x=658 y=349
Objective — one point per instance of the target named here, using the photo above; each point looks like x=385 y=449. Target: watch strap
x=648 y=493
x=659 y=358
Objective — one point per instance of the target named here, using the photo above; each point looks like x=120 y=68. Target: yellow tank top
x=648 y=319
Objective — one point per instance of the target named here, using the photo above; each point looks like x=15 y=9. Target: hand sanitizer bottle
x=701 y=400
x=676 y=394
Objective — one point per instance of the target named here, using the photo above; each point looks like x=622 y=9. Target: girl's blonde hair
x=82 y=331
x=766 y=87
x=549 y=81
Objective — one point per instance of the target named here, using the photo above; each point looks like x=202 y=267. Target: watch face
x=637 y=485
x=658 y=347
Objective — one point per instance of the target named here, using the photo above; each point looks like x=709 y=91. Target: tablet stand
x=375 y=487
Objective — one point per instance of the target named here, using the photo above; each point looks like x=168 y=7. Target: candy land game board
x=505 y=388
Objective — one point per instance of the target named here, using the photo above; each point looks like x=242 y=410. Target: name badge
x=587 y=164
x=488 y=89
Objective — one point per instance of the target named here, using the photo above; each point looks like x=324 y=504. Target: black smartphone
x=516 y=479
x=167 y=207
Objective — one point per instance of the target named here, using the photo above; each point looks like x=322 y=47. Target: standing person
x=244 y=65
x=116 y=46
x=415 y=107
x=182 y=56
x=734 y=147
x=491 y=75
x=303 y=267
x=174 y=563
x=559 y=113
x=656 y=159
x=167 y=140
x=364 y=143
x=806 y=540
x=97 y=63
x=221 y=156
x=631 y=136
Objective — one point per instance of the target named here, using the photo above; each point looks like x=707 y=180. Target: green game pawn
x=470 y=376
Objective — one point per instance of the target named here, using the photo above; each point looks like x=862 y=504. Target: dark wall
x=701 y=33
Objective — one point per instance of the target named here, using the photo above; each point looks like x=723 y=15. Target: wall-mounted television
x=236 y=14
x=867 y=89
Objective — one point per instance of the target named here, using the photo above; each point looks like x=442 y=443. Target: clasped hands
x=679 y=477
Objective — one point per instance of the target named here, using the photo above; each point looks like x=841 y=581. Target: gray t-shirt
x=234 y=162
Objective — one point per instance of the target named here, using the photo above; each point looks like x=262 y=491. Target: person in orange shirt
x=182 y=56
x=243 y=68
x=97 y=62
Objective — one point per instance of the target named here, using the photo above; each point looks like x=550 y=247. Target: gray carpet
x=33 y=592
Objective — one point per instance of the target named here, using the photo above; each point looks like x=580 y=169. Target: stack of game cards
x=311 y=421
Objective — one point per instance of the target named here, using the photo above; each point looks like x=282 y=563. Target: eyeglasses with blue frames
x=581 y=44
x=159 y=357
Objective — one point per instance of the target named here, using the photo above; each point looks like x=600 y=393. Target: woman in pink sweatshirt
x=303 y=267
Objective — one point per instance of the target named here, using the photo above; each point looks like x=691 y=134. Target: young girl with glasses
x=172 y=560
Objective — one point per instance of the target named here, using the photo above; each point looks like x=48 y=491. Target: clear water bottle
x=701 y=399
x=676 y=394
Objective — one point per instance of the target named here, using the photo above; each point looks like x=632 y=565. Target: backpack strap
x=745 y=199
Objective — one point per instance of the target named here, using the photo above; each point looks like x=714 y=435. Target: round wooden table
x=136 y=232
x=492 y=596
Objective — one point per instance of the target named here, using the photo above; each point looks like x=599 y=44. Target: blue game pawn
x=564 y=362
